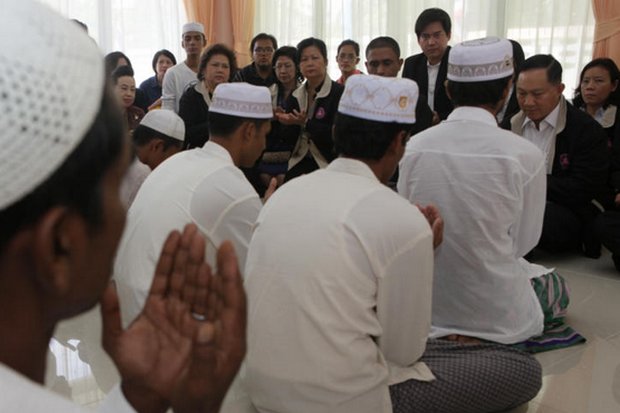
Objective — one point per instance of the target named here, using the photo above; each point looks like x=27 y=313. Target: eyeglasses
x=346 y=56
x=260 y=50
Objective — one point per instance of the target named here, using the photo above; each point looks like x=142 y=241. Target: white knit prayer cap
x=166 y=122
x=480 y=60
x=382 y=99
x=242 y=100
x=193 y=27
x=51 y=85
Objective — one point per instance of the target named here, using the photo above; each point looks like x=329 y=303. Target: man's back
x=489 y=186
x=328 y=250
x=201 y=186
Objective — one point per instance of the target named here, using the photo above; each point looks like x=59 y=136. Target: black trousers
x=607 y=226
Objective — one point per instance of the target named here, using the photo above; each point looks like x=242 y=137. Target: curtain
x=607 y=29
x=138 y=28
x=562 y=27
x=242 y=15
x=202 y=11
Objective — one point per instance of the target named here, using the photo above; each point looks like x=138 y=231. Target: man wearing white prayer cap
x=159 y=135
x=182 y=74
x=340 y=309
x=489 y=185
x=203 y=185
x=60 y=223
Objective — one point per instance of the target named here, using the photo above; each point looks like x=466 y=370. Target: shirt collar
x=353 y=167
x=217 y=150
x=551 y=119
x=472 y=113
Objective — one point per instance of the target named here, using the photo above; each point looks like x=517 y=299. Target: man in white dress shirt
x=576 y=156
x=202 y=185
x=182 y=74
x=339 y=275
x=490 y=186
x=61 y=219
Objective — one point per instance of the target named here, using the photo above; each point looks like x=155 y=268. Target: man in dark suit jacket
x=575 y=149
x=430 y=68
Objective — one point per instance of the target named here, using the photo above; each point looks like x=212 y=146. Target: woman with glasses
x=217 y=64
x=274 y=161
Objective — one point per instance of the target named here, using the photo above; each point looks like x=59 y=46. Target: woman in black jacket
x=312 y=109
x=217 y=65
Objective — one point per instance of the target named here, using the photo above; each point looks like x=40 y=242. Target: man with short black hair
x=575 y=152
x=182 y=74
x=490 y=186
x=260 y=71
x=429 y=68
x=383 y=59
x=203 y=185
x=339 y=311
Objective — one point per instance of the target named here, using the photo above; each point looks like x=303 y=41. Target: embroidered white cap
x=50 y=92
x=242 y=100
x=382 y=99
x=166 y=122
x=193 y=27
x=480 y=60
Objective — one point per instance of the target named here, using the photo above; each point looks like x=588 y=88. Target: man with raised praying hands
x=489 y=185
x=61 y=219
x=340 y=310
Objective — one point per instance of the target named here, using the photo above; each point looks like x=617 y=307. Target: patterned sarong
x=553 y=293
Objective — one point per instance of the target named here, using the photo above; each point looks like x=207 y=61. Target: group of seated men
x=360 y=298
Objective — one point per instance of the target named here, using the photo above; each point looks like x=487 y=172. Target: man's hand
x=432 y=215
x=219 y=343
x=152 y=353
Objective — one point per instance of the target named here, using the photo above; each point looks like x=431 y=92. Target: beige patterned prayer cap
x=381 y=99
x=242 y=100
x=480 y=60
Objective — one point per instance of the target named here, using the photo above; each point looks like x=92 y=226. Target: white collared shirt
x=338 y=277
x=201 y=186
x=543 y=136
x=489 y=185
x=20 y=394
x=433 y=72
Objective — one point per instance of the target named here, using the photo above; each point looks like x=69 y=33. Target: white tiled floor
x=581 y=379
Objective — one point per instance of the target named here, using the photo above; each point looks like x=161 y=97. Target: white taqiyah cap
x=166 y=122
x=242 y=100
x=480 y=60
x=51 y=87
x=193 y=27
x=382 y=99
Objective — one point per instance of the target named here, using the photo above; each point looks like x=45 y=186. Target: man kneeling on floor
x=490 y=186
x=339 y=313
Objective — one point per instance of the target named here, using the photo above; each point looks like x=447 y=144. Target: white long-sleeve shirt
x=174 y=83
x=20 y=394
x=202 y=186
x=489 y=185
x=338 y=277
